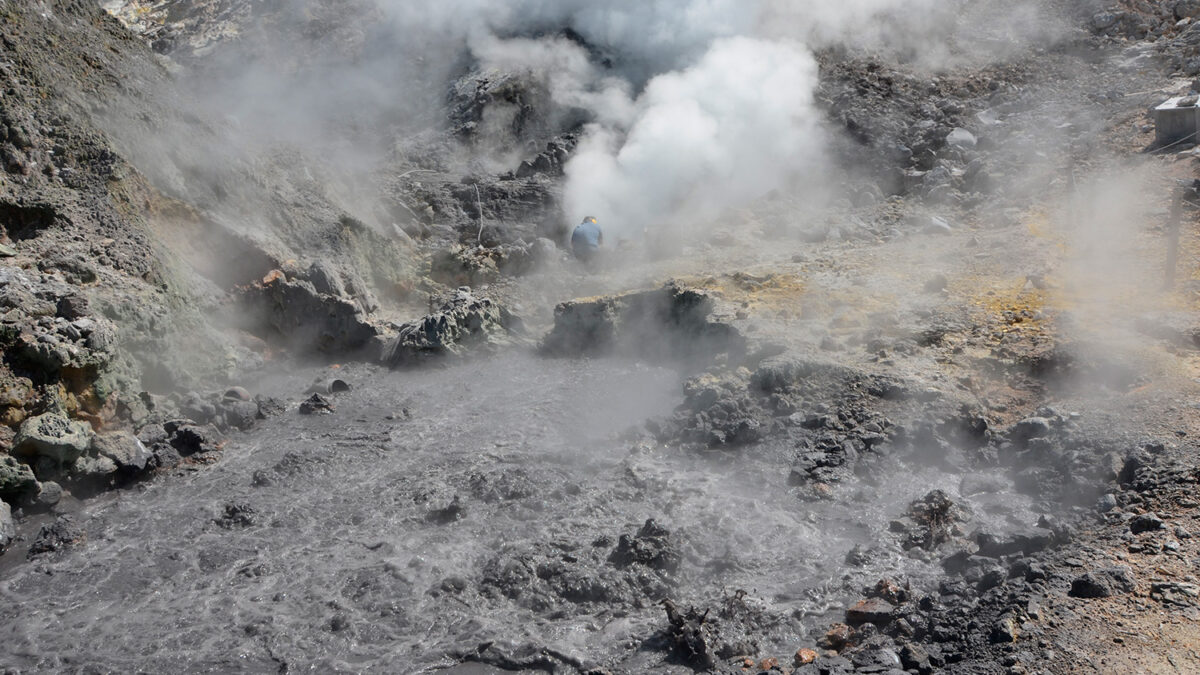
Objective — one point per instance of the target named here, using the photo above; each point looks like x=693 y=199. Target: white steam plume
x=709 y=103
x=730 y=128
x=697 y=106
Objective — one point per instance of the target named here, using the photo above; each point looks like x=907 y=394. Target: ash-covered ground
x=888 y=362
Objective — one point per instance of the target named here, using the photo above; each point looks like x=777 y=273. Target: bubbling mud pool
x=437 y=510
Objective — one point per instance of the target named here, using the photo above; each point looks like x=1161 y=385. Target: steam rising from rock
x=694 y=106
x=722 y=132
x=701 y=105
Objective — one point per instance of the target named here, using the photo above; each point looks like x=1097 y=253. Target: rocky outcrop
x=312 y=314
x=465 y=323
x=670 y=324
x=52 y=436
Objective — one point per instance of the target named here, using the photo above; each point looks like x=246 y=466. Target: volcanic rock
x=49 y=493
x=870 y=610
x=1175 y=593
x=1103 y=583
x=462 y=324
x=651 y=546
x=961 y=138
x=316 y=405
x=189 y=439
x=8 y=529
x=668 y=324
x=295 y=312
x=1146 y=522
x=16 y=478
x=123 y=448
x=58 y=536
x=52 y=435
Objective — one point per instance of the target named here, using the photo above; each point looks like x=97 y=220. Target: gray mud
x=396 y=534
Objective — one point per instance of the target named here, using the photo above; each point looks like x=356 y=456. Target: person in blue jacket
x=587 y=239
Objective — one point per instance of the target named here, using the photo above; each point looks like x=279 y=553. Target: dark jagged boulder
x=930 y=522
x=56 y=537
x=692 y=635
x=1146 y=522
x=651 y=547
x=188 y=438
x=1103 y=583
x=463 y=324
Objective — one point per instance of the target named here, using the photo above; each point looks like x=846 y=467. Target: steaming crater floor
x=378 y=538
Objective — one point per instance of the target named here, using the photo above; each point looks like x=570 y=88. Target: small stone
x=7 y=251
x=1106 y=503
x=1147 y=522
x=331 y=386
x=93 y=466
x=837 y=637
x=237 y=514
x=805 y=656
x=1004 y=631
x=63 y=533
x=1103 y=583
x=50 y=494
x=1030 y=428
x=316 y=405
x=870 y=610
x=961 y=138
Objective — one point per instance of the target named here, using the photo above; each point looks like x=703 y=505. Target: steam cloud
x=708 y=103
x=696 y=106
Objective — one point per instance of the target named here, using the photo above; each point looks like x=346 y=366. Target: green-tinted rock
x=52 y=435
x=16 y=478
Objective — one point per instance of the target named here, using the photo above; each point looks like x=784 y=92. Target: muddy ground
x=944 y=422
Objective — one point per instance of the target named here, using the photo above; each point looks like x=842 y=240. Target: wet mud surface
x=492 y=510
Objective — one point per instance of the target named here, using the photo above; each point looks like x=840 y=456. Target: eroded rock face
x=463 y=324
x=52 y=435
x=16 y=478
x=124 y=449
x=668 y=324
x=297 y=312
